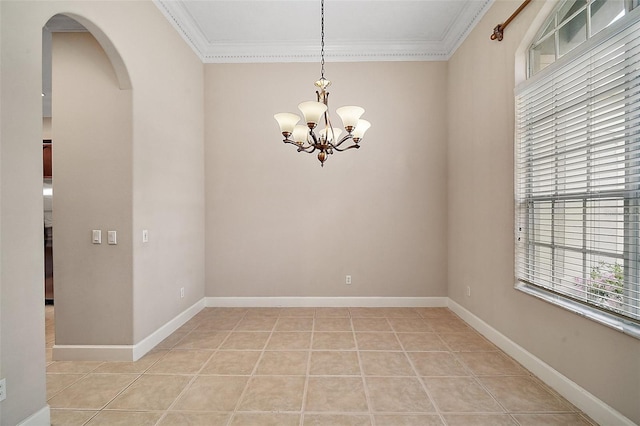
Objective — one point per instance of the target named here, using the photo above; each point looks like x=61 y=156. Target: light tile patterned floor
x=309 y=366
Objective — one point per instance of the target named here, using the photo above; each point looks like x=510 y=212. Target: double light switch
x=96 y=237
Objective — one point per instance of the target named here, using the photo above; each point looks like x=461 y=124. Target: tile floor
x=309 y=366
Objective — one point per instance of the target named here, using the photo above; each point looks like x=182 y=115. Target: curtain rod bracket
x=498 y=31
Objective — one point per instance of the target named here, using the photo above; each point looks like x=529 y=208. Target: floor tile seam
x=558 y=398
x=333 y=413
x=81 y=372
x=553 y=392
x=305 y=390
x=413 y=413
x=188 y=385
x=515 y=412
x=91 y=418
x=68 y=386
x=486 y=389
x=334 y=376
x=365 y=388
x=142 y=372
x=406 y=376
x=251 y=376
x=423 y=383
x=463 y=364
x=114 y=397
x=87 y=374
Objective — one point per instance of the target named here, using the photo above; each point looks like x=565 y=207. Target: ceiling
x=355 y=30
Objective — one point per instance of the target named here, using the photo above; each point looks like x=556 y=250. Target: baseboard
x=322 y=302
x=149 y=342
x=578 y=396
x=125 y=352
x=41 y=417
x=92 y=352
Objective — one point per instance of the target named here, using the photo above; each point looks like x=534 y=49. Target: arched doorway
x=90 y=131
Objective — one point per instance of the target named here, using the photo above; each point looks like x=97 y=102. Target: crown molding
x=350 y=51
x=464 y=23
x=338 y=52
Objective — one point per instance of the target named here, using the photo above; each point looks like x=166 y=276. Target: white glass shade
x=300 y=133
x=286 y=121
x=361 y=127
x=336 y=134
x=312 y=111
x=350 y=115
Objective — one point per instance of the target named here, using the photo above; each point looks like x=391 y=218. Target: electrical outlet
x=468 y=291
x=181 y=292
x=347 y=280
x=3 y=389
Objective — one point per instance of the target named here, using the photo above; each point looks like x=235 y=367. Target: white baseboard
x=125 y=352
x=321 y=302
x=578 y=396
x=92 y=352
x=149 y=342
x=42 y=417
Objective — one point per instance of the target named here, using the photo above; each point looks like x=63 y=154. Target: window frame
x=631 y=204
x=545 y=33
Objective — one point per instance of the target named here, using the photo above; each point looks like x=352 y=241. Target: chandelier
x=328 y=138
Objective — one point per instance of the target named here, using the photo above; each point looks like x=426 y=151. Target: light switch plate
x=3 y=389
x=96 y=236
x=112 y=237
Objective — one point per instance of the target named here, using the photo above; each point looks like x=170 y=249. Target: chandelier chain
x=322 y=37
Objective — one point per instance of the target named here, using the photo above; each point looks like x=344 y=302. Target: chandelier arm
x=343 y=140
x=294 y=143
x=300 y=147
x=308 y=149
x=314 y=137
x=355 y=145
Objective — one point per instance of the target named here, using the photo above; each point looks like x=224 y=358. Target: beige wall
x=167 y=169
x=21 y=254
x=481 y=223
x=168 y=175
x=92 y=156
x=278 y=224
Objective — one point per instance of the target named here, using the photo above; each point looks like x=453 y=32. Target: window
x=572 y=23
x=578 y=163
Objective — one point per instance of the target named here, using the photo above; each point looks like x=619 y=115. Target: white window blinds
x=578 y=174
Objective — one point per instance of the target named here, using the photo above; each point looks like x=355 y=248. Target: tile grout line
x=365 y=387
x=473 y=375
x=476 y=378
x=305 y=390
x=253 y=371
x=195 y=376
x=419 y=377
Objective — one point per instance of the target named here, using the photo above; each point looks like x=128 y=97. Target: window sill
x=627 y=327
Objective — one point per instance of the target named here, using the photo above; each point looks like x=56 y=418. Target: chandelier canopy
x=316 y=112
